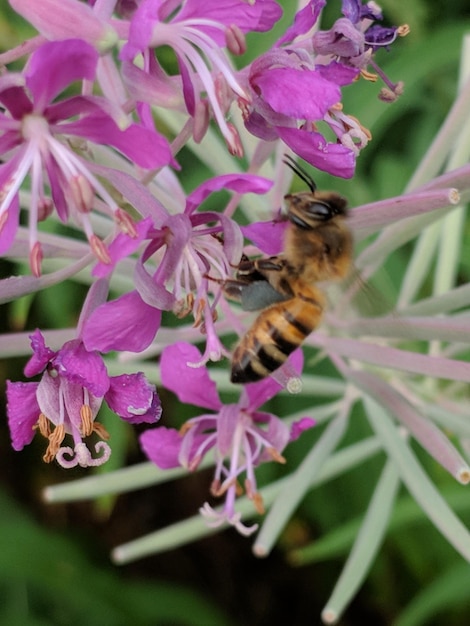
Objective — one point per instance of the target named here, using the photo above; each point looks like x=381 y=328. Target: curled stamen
x=198 y=317
x=234 y=143
x=185 y=428
x=215 y=487
x=219 y=489
x=184 y=306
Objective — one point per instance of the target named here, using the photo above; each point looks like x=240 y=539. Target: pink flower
x=289 y=94
x=74 y=382
x=196 y=32
x=241 y=436
x=36 y=129
x=354 y=38
x=188 y=250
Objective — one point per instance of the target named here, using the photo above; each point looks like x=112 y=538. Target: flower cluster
x=78 y=157
x=101 y=132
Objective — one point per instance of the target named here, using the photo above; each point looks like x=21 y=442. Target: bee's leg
x=233 y=289
x=257 y=269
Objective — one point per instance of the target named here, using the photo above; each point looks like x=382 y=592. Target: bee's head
x=311 y=209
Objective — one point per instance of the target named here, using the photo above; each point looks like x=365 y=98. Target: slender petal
x=313 y=148
x=304 y=20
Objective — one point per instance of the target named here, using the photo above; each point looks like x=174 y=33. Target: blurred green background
x=54 y=559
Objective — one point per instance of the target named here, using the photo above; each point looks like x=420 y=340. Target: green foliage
x=45 y=578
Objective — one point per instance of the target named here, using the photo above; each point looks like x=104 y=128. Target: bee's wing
x=253 y=296
x=366 y=295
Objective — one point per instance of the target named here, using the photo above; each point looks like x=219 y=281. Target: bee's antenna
x=301 y=173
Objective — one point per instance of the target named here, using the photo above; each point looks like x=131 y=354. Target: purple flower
x=186 y=257
x=196 y=33
x=241 y=436
x=304 y=21
x=290 y=89
x=37 y=128
x=289 y=94
x=73 y=384
x=353 y=39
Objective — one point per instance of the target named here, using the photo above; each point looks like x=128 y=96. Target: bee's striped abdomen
x=275 y=334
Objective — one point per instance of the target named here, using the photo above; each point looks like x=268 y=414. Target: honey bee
x=318 y=247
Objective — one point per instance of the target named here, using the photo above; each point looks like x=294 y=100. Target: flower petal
x=260 y=392
x=267 y=236
x=16 y=100
x=304 y=20
x=22 y=411
x=241 y=183
x=313 y=148
x=41 y=355
x=301 y=94
x=133 y=398
x=74 y=400
x=277 y=434
x=191 y=384
x=153 y=293
x=142 y=146
x=232 y=234
x=123 y=246
x=82 y=367
x=162 y=446
x=227 y=421
x=123 y=324
x=10 y=226
x=338 y=73
x=298 y=427
x=96 y=296
x=140 y=31
x=248 y=16
x=57 y=64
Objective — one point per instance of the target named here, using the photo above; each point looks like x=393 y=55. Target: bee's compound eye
x=319 y=210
